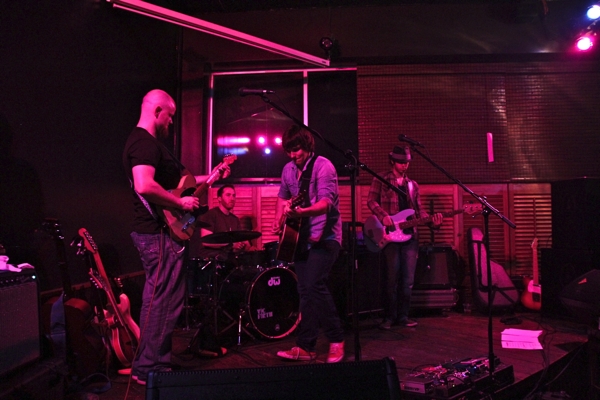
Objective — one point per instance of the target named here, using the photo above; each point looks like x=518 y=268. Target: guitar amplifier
x=19 y=320
x=434 y=298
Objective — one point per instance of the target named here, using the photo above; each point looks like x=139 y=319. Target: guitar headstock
x=90 y=245
x=229 y=159
x=52 y=226
x=534 y=244
x=472 y=209
x=97 y=279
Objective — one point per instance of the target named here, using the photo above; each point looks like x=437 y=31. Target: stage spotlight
x=326 y=44
x=267 y=151
x=278 y=140
x=593 y=12
x=261 y=140
x=585 y=42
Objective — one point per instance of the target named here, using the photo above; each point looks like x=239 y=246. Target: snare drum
x=250 y=259
x=269 y=297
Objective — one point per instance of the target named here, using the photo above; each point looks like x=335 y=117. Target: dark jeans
x=401 y=263
x=162 y=299
x=317 y=308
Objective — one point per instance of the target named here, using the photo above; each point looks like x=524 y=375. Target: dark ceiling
x=369 y=30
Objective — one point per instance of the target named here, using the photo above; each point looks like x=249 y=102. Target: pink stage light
x=584 y=43
x=278 y=140
x=261 y=140
x=227 y=141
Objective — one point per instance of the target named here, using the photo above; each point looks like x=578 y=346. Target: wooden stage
x=441 y=338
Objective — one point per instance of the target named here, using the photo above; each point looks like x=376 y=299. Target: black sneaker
x=386 y=325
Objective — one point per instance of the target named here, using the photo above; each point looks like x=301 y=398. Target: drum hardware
x=229 y=237
x=266 y=298
x=209 y=305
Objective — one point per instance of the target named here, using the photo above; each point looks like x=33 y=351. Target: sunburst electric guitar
x=532 y=292
x=183 y=223
x=124 y=332
x=378 y=236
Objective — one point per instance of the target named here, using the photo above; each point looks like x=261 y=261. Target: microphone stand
x=487 y=209
x=352 y=167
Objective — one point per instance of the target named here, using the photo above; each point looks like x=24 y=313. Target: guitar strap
x=142 y=199
x=305 y=179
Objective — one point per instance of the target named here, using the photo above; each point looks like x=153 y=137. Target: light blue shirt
x=323 y=186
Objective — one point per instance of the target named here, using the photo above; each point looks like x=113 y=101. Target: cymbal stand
x=241 y=327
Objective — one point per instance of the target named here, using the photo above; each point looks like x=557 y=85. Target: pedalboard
x=462 y=380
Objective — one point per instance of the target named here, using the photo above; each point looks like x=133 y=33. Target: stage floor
x=439 y=339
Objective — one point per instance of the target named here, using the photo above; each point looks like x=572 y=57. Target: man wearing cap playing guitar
x=401 y=258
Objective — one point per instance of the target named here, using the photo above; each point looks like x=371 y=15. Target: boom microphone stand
x=487 y=209
x=352 y=166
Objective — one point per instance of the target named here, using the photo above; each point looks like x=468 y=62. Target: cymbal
x=229 y=237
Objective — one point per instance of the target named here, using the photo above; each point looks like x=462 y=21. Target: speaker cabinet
x=347 y=380
x=580 y=297
x=575 y=214
x=19 y=320
x=559 y=268
x=436 y=268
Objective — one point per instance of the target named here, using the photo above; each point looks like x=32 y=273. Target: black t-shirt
x=219 y=222
x=142 y=148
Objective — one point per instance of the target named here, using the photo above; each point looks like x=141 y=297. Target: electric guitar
x=532 y=292
x=288 y=240
x=85 y=350
x=378 y=236
x=124 y=332
x=183 y=223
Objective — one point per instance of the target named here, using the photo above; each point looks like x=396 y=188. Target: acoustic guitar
x=288 y=240
x=183 y=223
x=124 y=332
x=379 y=236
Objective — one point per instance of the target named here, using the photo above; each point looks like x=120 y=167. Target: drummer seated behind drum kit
x=255 y=288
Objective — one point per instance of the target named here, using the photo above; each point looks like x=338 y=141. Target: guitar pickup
x=187 y=224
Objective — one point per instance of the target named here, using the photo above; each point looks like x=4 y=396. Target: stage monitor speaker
x=575 y=214
x=559 y=268
x=19 y=320
x=580 y=297
x=436 y=268
x=370 y=289
x=376 y=379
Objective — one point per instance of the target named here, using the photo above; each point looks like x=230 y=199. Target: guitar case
x=504 y=293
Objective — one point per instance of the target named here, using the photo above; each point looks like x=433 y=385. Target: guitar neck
x=212 y=178
x=419 y=221
x=535 y=262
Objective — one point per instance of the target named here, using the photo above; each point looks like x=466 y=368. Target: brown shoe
x=297 y=354
x=336 y=352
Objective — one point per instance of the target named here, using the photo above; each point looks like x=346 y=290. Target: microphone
x=245 y=92
x=404 y=138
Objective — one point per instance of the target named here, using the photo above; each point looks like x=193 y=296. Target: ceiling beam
x=164 y=14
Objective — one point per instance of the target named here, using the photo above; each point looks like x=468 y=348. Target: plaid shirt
x=383 y=201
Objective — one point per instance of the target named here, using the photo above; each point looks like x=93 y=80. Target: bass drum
x=269 y=297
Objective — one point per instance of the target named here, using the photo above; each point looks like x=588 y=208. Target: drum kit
x=249 y=290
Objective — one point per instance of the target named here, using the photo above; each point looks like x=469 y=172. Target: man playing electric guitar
x=153 y=171
x=400 y=257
